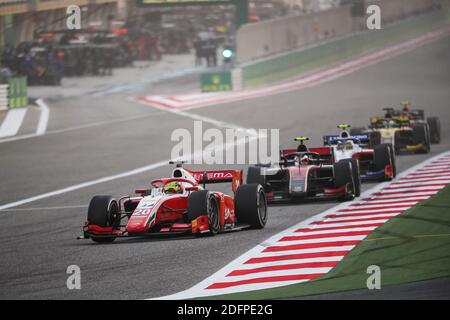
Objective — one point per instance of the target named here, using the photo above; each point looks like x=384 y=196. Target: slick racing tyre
x=383 y=156
x=398 y=142
x=343 y=176
x=203 y=203
x=104 y=212
x=374 y=138
x=255 y=176
x=356 y=175
x=435 y=129
x=421 y=135
x=251 y=205
x=393 y=159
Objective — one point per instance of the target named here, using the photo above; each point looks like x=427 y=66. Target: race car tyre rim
x=213 y=216
x=262 y=206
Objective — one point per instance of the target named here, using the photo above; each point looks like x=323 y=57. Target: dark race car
x=304 y=174
x=178 y=205
x=375 y=163
x=405 y=129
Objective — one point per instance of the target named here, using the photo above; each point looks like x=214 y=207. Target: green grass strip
x=413 y=246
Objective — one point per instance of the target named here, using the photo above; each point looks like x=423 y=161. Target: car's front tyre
x=103 y=211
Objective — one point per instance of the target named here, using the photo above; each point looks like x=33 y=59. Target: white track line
x=84 y=185
x=139 y=170
x=15 y=118
x=12 y=122
x=47 y=208
x=43 y=120
x=80 y=127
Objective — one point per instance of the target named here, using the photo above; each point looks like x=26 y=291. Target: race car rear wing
x=333 y=139
x=322 y=151
x=417 y=114
x=325 y=154
x=219 y=176
x=286 y=152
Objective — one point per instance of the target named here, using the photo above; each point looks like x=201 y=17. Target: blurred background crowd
x=35 y=41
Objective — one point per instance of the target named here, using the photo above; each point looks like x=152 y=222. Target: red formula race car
x=178 y=205
x=305 y=174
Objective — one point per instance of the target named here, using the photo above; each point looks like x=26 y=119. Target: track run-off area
x=90 y=138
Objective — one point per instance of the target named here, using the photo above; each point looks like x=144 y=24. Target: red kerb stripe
x=367 y=225
x=243 y=272
x=301 y=246
x=297 y=256
x=349 y=215
x=367 y=203
x=352 y=220
x=222 y=285
x=372 y=208
x=327 y=235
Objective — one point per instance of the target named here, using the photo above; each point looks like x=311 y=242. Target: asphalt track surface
x=92 y=137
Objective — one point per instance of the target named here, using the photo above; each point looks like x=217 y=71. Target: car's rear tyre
x=356 y=176
x=374 y=138
x=343 y=177
x=103 y=211
x=382 y=156
x=435 y=129
x=393 y=159
x=251 y=205
x=255 y=176
x=421 y=135
x=203 y=203
x=397 y=142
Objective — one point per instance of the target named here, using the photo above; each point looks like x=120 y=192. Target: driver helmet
x=304 y=160
x=389 y=123
x=173 y=187
x=405 y=105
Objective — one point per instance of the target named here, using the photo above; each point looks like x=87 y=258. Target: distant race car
x=406 y=130
x=376 y=163
x=178 y=205
x=305 y=174
x=418 y=116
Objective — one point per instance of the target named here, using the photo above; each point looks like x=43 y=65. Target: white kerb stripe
x=12 y=122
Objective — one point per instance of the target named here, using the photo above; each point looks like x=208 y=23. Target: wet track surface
x=93 y=137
